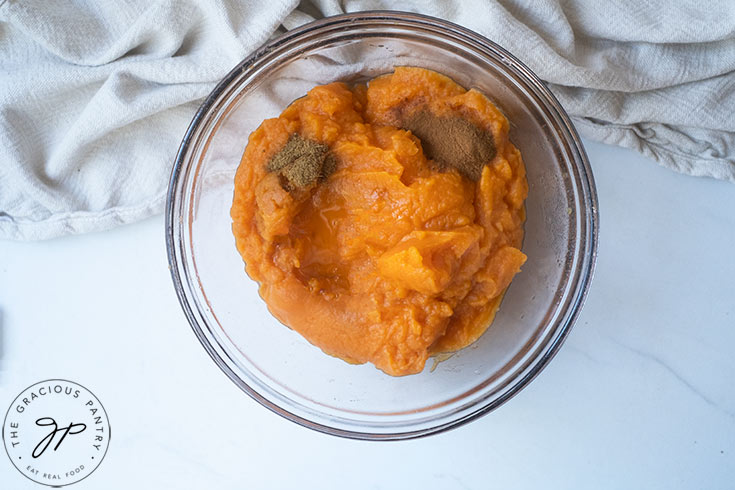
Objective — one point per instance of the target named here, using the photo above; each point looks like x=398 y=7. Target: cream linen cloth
x=95 y=95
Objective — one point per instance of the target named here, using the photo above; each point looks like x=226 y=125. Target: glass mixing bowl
x=274 y=364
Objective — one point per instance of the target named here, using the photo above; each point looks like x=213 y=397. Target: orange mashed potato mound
x=388 y=260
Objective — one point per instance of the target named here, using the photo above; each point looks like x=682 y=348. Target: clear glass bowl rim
x=585 y=186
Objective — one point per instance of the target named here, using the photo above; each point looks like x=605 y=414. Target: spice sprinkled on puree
x=383 y=221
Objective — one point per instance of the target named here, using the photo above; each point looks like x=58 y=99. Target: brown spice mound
x=452 y=142
x=302 y=162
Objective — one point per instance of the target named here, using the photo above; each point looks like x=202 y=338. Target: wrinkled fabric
x=96 y=96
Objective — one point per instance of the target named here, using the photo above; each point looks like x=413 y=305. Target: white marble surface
x=642 y=395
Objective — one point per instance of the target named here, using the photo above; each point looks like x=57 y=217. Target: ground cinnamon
x=452 y=141
x=302 y=163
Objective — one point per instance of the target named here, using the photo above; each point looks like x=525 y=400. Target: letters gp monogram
x=56 y=432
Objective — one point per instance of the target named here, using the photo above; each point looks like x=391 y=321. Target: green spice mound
x=302 y=163
x=452 y=142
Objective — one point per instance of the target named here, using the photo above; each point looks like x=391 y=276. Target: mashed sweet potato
x=391 y=258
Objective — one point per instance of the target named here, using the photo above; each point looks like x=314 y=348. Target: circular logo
x=56 y=432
